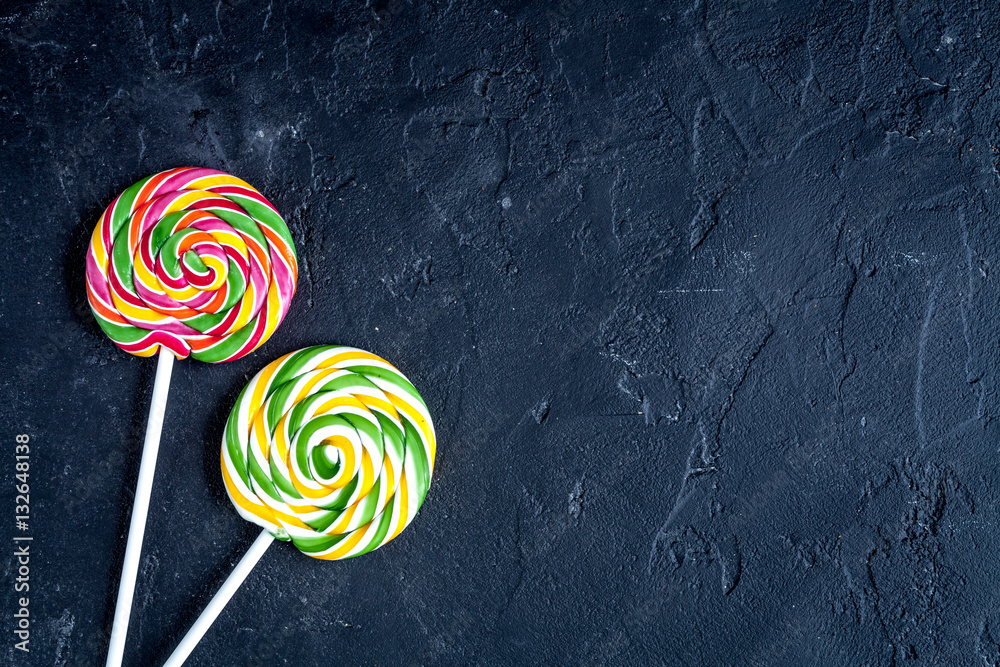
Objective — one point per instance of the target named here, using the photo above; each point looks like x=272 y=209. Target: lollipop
x=330 y=448
x=187 y=262
x=193 y=260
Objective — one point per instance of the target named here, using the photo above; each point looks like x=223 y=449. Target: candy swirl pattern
x=193 y=260
x=331 y=448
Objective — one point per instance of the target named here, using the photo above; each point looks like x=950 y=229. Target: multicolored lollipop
x=193 y=260
x=187 y=262
x=331 y=448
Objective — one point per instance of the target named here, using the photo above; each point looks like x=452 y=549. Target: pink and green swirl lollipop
x=186 y=262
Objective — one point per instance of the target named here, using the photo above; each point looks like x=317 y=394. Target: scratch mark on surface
x=64 y=630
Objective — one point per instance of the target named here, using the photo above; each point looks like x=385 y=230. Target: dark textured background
x=700 y=296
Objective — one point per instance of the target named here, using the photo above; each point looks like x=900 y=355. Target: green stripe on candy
x=236 y=286
x=420 y=463
x=261 y=480
x=383 y=529
x=168 y=253
x=121 y=260
x=339 y=501
x=393 y=436
x=281 y=484
x=293 y=365
x=267 y=216
x=227 y=346
x=299 y=443
x=233 y=441
x=368 y=426
x=242 y=223
x=325 y=467
x=120 y=332
x=162 y=231
x=123 y=208
x=193 y=262
x=397 y=437
x=393 y=378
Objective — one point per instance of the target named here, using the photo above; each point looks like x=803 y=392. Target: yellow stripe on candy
x=418 y=419
x=403 y=497
x=255 y=508
x=378 y=467
x=201 y=198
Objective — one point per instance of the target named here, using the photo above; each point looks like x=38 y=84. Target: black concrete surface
x=700 y=295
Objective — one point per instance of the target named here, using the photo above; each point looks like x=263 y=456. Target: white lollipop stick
x=215 y=605
x=140 y=508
